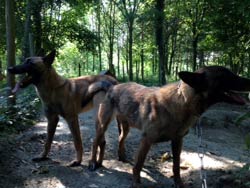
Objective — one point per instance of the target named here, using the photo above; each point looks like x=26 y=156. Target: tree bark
x=98 y=14
x=160 y=39
x=11 y=48
x=130 y=51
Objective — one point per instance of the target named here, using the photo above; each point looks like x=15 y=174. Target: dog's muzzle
x=24 y=81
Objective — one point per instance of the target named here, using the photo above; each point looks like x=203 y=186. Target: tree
x=160 y=39
x=129 y=10
x=196 y=13
x=11 y=49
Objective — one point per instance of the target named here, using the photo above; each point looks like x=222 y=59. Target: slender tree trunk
x=142 y=64
x=160 y=39
x=87 y=62
x=79 y=69
x=26 y=39
x=11 y=48
x=195 y=45
x=98 y=14
x=142 y=53
x=248 y=64
x=127 y=57
x=36 y=11
x=123 y=72
x=130 y=51
x=93 y=65
x=118 y=61
x=137 y=71
x=172 y=54
x=111 y=37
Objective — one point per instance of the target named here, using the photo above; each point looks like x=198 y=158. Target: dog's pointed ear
x=48 y=59
x=194 y=80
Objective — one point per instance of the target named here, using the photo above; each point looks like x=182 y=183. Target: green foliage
x=97 y=29
x=241 y=118
x=247 y=141
x=20 y=116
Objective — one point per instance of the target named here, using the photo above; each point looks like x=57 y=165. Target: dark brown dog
x=166 y=113
x=60 y=96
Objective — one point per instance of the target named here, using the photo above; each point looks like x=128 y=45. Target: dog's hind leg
x=123 y=127
x=51 y=128
x=75 y=131
x=105 y=114
x=176 y=149
x=145 y=145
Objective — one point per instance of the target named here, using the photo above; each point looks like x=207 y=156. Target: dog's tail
x=99 y=86
x=96 y=87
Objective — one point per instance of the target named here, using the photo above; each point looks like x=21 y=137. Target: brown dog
x=166 y=113
x=60 y=96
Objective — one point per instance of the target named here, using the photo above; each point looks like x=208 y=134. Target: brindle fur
x=64 y=97
x=165 y=113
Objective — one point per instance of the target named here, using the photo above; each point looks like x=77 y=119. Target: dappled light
x=68 y=68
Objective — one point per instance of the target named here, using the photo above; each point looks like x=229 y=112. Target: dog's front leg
x=176 y=149
x=145 y=145
x=51 y=128
x=76 y=133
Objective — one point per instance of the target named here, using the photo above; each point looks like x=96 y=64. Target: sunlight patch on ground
x=51 y=182
x=209 y=161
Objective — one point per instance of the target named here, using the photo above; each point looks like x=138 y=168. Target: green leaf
x=242 y=118
x=247 y=141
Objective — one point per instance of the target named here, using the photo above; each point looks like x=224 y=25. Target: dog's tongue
x=238 y=99
x=17 y=87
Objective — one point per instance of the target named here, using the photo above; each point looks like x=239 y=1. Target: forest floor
x=225 y=154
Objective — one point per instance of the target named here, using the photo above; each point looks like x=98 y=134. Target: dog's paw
x=136 y=185
x=39 y=159
x=74 y=164
x=94 y=165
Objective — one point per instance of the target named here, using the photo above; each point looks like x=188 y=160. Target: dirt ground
x=224 y=156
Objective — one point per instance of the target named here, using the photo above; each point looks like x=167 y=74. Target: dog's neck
x=51 y=80
x=191 y=98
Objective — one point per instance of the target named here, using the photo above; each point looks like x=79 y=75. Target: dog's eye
x=29 y=62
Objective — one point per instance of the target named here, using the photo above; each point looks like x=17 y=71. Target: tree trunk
x=127 y=57
x=118 y=61
x=93 y=65
x=111 y=37
x=36 y=12
x=11 y=48
x=142 y=53
x=79 y=69
x=98 y=15
x=142 y=64
x=130 y=51
x=26 y=39
x=160 y=39
x=195 y=44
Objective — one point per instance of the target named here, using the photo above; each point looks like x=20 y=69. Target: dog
x=62 y=97
x=165 y=113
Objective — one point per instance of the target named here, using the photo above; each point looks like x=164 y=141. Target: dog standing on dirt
x=165 y=113
x=60 y=96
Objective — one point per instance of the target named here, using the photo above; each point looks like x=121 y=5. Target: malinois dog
x=165 y=113
x=60 y=96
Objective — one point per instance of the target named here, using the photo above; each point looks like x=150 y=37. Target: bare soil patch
x=224 y=156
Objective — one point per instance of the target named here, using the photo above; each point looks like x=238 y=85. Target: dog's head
x=33 y=68
x=217 y=84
